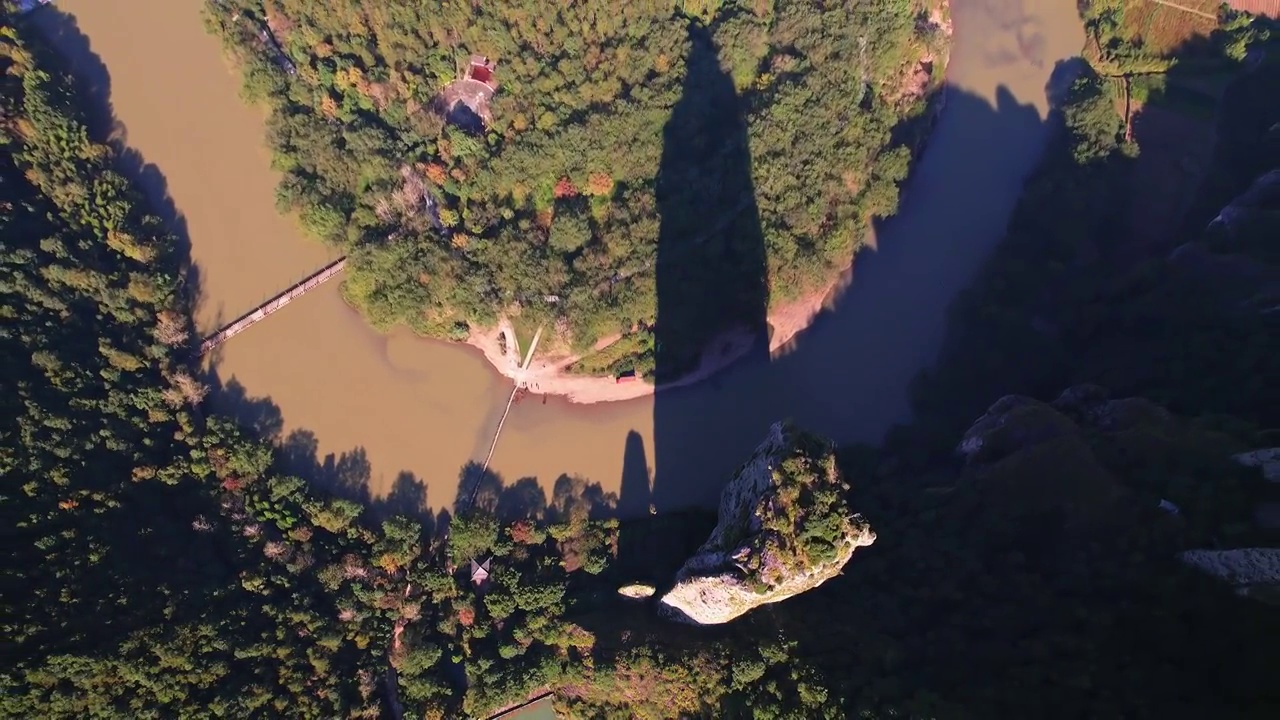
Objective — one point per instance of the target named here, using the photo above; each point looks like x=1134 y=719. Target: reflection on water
x=426 y=408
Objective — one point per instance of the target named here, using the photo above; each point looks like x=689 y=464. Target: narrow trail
x=1186 y=9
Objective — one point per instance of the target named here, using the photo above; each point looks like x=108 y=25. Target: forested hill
x=133 y=582
x=550 y=212
x=161 y=565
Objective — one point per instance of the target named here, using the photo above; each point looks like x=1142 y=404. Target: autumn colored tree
x=599 y=184
x=372 y=93
x=565 y=189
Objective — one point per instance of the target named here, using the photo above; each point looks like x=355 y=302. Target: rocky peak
x=784 y=528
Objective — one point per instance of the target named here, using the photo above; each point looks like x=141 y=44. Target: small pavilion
x=479 y=572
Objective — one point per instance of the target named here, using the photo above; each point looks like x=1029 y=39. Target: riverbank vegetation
x=163 y=565
x=153 y=566
x=1168 y=65
x=1071 y=260
x=549 y=209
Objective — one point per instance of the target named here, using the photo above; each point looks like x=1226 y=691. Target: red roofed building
x=481 y=70
x=1267 y=8
x=465 y=101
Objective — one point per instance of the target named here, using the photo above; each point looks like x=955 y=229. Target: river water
x=427 y=408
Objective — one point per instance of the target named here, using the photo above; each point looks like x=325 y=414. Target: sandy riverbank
x=547 y=374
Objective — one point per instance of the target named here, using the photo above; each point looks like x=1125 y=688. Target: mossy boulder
x=1013 y=423
x=1089 y=462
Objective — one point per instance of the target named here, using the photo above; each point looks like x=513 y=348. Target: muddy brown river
x=426 y=408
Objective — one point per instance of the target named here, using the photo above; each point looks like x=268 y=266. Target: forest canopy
x=163 y=564
x=549 y=210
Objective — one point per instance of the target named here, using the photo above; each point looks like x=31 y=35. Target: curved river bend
x=427 y=408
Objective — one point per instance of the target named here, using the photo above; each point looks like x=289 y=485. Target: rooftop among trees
x=550 y=213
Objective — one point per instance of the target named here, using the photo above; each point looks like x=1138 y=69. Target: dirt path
x=393 y=694
x=1186 y=9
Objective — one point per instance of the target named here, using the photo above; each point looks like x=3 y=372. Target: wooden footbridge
x=262 y=311
x=521 y=383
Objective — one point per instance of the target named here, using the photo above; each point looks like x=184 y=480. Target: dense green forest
x=551 y=214
x=163 y=565
x=150 y=567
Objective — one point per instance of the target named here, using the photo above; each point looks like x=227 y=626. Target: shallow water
x=426 y=408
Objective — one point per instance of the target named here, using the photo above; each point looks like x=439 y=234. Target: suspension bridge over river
x=251 y=318
x=315 y=280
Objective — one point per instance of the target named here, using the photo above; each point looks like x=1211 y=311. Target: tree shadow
x=92 y=81
x=483 y=491
x=258 y=415
x=478 y=490
x=344 y=475
x=573 y=496
x=407 y=497
x=523 y=500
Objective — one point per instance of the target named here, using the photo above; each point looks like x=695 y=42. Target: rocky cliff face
x=1236 y=257
x=1243 y=568
x=784 y=528
x=1104 y=464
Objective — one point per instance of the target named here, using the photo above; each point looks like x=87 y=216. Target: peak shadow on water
x=712 y=275
x=847 y=376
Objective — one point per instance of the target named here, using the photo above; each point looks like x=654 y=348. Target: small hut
x=465 y=101
x=479 y=572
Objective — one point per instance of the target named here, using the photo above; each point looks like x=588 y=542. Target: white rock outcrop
x=1268 y=459
x=784 y=528
x=636 y=591
x=1240 y=567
